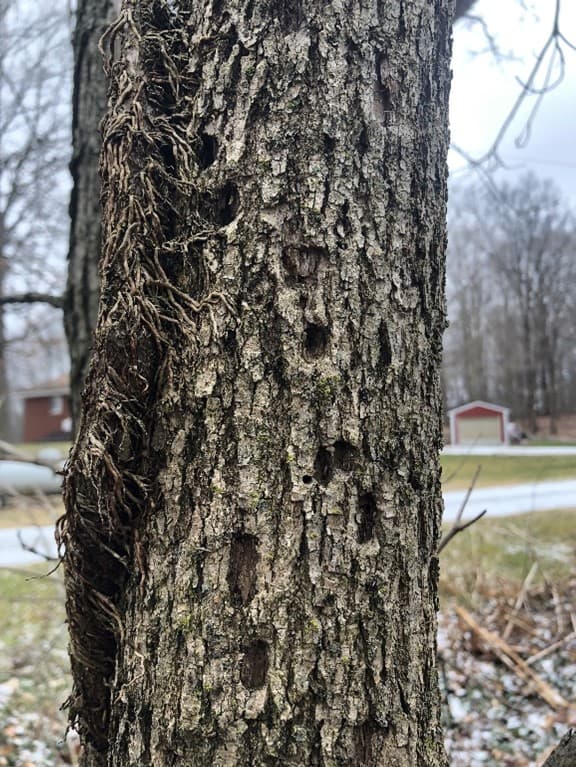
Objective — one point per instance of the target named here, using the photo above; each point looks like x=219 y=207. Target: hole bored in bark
x=345 y=456
x=207 y=150
x=323 y=466
x=363 y=141
x=228 y=202
x=242 y=568
x=385 y=347
x=383 y=89
x=329 y=143
x=254 y=666
x=316 y=341
x=301 y=264
x=307 y=479
x=221 y=205
x=367 y=517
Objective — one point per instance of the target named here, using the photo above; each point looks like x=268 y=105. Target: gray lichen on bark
x=253 y=500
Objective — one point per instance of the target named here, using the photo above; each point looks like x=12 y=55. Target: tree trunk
x=81 y=304
x=564 y=755
x=253 y=499
x=5 y=419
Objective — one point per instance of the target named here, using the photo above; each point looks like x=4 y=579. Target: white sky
x=484 y=91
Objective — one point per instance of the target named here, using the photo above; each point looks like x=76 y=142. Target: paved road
x=499 y=501
x=11 y=552
x=508 y=450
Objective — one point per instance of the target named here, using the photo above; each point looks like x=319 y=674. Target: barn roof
x=479 y=403
x=55 y=388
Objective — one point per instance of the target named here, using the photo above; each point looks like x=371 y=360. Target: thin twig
x=458 y=525
x=34 y=550
x=520 y=599
x=510 y=658
x=549 y=60
x=550 y=649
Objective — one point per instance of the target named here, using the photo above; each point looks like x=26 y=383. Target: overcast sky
x=484 y=91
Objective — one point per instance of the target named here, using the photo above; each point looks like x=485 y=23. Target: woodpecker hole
x=367 y=517
x=221 y=206
x=345 y=456
x=315 y=341
x=385 y=347
x=301 y=264
x=254 y=665
x=242 y=568
x=207 y=150
x=323 y=466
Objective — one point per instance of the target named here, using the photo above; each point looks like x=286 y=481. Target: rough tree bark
x=81 y=306
x=564 y=755
x=253 y=499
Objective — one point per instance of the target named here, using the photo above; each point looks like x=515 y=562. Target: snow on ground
x=491 y=715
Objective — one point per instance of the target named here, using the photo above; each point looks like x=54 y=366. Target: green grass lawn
x=503 y=550
x=458 y=470
x=34 y=667
x=551 y=442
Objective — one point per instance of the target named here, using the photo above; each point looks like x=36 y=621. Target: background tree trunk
x=89 y=106
x=5 y=419
x=253 y=500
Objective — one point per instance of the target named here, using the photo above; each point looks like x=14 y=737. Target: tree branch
x=458 y=525
x=33 y=298
x=462 y=8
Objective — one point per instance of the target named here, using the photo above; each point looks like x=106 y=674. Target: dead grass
x=32 y=449
x=30 y=512
x=497 y=555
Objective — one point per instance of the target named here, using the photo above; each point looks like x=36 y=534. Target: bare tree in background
x=531 y=243
x=89 y=106
x=35 y=61
x=468 y=293
x=515 y=318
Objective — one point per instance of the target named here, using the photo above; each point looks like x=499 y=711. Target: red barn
x=479 y=423
x=47 y=411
